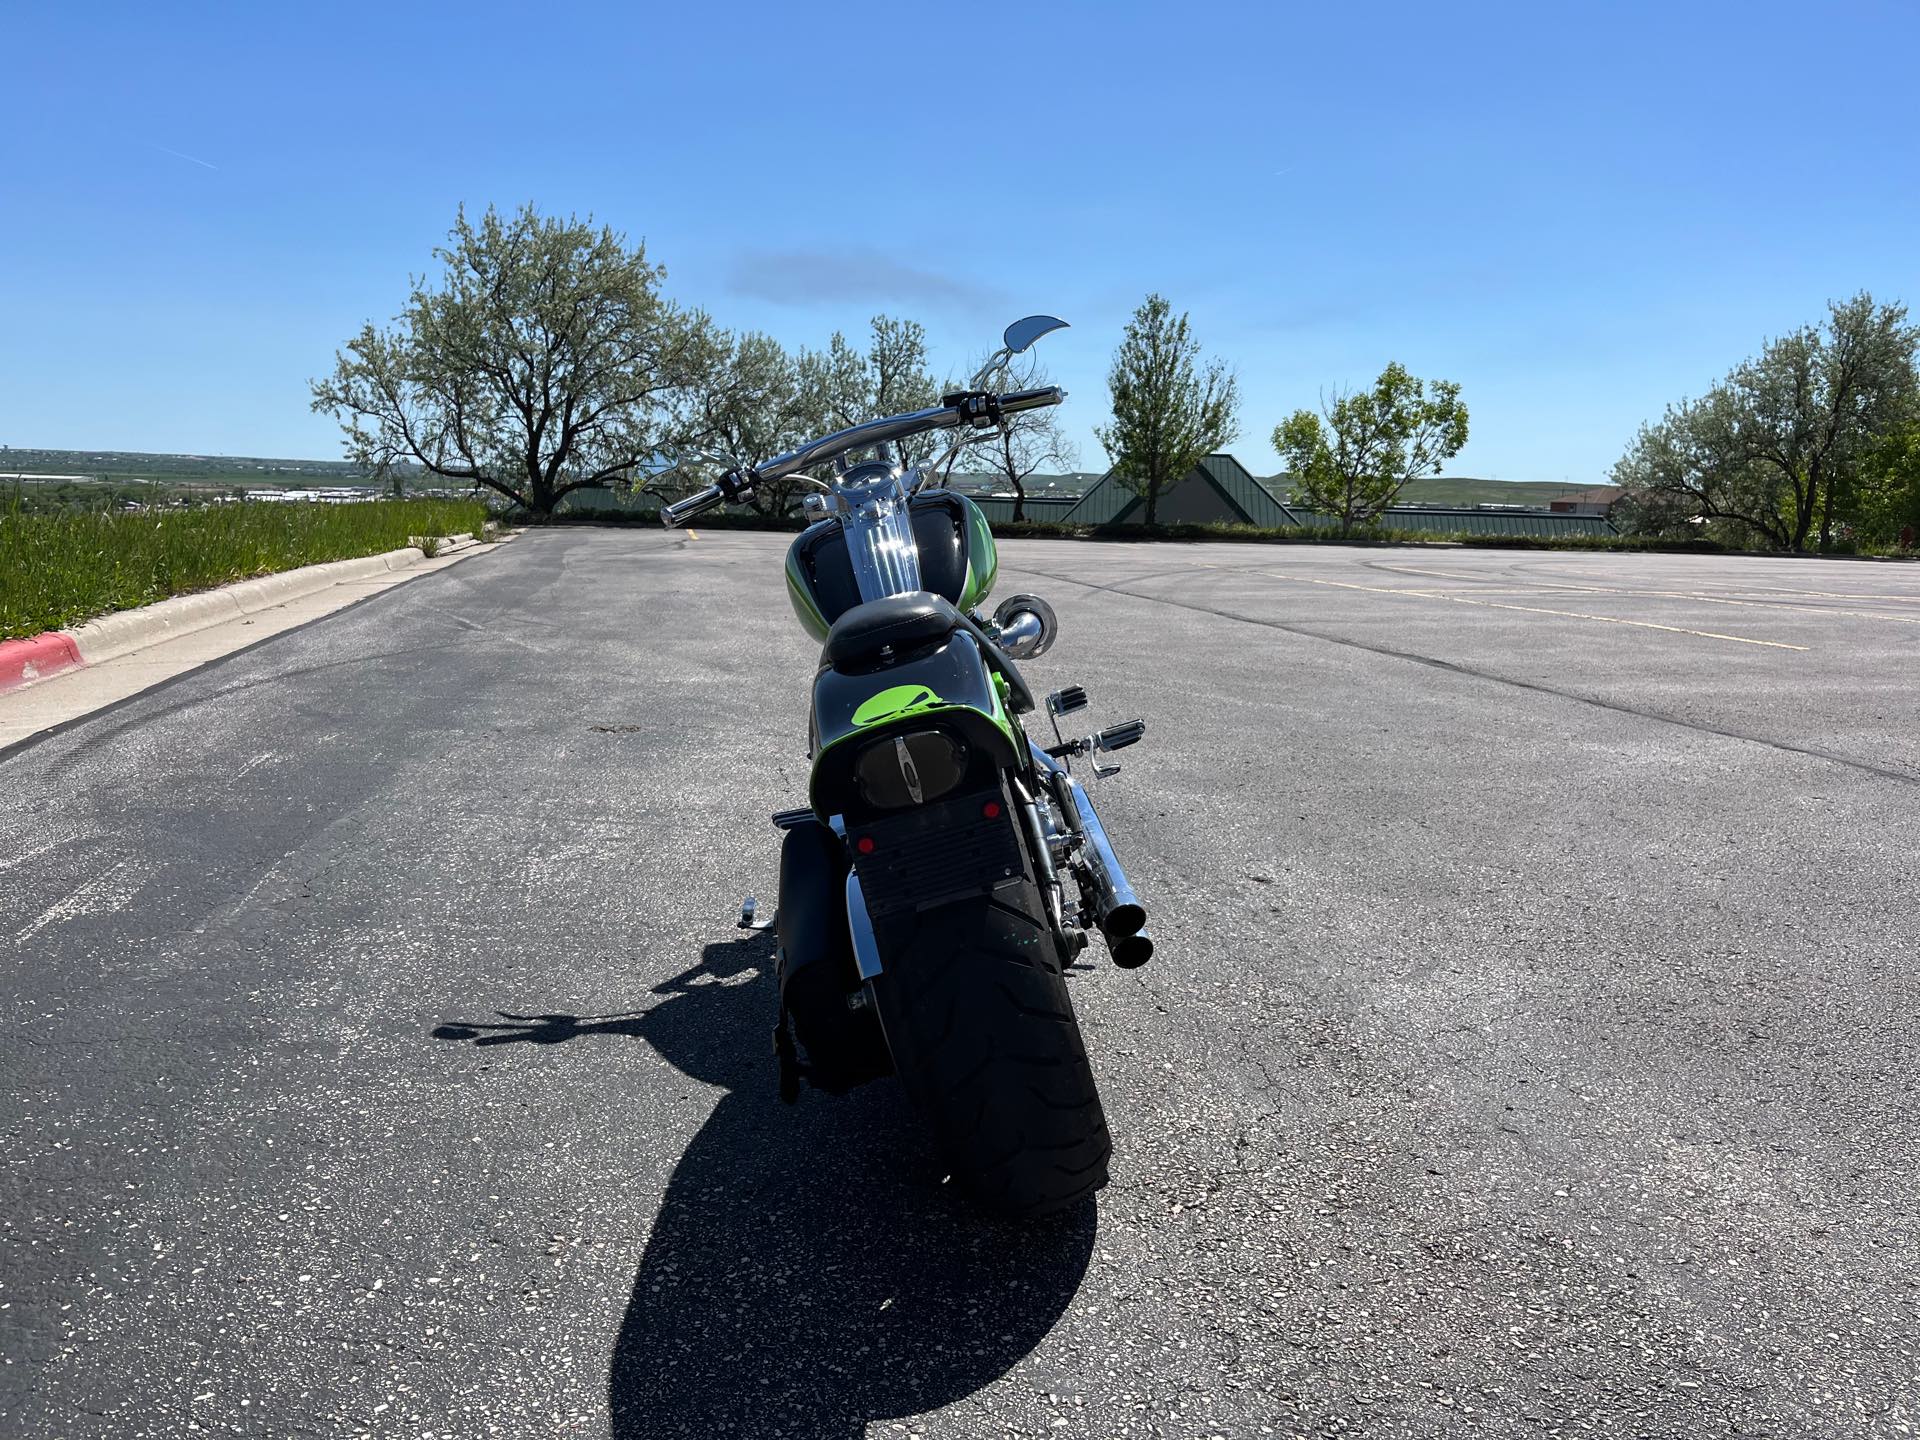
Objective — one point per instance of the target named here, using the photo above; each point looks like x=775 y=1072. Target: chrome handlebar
x=975 y=409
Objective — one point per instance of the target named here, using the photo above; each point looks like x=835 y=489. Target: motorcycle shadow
x=807 y=1271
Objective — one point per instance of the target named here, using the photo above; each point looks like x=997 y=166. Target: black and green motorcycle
x=925 y=920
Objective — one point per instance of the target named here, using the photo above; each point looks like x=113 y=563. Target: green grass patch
x=58 y=569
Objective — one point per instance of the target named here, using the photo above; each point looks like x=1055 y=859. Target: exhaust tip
x=1130 y=952
x=1127 y=918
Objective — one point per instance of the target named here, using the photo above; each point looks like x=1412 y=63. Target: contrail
x=178 y=156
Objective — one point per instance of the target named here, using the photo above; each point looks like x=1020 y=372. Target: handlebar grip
x=683 y=510
x=1032 y=399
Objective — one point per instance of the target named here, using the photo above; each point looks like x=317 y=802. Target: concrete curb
x=129 y=630
x=22 y=662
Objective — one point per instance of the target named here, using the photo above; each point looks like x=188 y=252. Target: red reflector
x=864 y=844
x=991 y=809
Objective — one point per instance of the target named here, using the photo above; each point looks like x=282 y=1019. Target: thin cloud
x=178 y=156
x=803 y=277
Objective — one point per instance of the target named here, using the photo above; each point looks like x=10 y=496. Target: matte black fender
x=817 y=972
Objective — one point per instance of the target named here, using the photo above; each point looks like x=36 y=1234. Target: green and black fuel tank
x=958 y=560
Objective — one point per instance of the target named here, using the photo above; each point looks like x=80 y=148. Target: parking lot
x=1528 y=1051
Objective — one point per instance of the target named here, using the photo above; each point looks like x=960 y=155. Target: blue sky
x=1578 y=212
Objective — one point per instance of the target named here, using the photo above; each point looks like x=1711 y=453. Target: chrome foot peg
x=749 y=913
x=1114 y=737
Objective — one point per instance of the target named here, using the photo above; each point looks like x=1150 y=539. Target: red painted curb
x=36 y=657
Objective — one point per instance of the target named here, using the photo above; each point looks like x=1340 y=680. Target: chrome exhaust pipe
x=1120 y=912
x=1130 y=952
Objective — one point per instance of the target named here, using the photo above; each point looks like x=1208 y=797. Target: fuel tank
x=958 y=559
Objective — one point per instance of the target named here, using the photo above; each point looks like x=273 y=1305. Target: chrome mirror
x=1021 y=334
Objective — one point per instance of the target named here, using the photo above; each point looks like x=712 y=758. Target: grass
x=61 y=568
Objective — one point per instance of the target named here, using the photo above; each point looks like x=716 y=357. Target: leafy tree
x=753 y=406
x=1779 y=445
x=843 y=386
x=544 y=360
x=1168 y=412
x=1888 y=501
x=1371 y=443
x=754 y=400
x=1683 y=473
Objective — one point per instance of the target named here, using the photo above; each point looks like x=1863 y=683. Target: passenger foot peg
x=1065 y=702
x=1114 y=737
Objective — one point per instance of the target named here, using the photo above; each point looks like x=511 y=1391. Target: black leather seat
x=904 y=622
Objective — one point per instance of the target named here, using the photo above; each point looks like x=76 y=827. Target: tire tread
x=974 y=997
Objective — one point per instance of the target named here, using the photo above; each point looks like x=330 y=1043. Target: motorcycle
x=924 y=919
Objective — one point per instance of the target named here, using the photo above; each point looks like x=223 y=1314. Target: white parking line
x=1680 y=595
x=1529 y=609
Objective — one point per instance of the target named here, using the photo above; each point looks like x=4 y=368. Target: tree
x=545 y=360
x=1689 y=471
x=1168 y=412
x=1022 y=444
x=754 y=406
x=754 y=400
x=1779 y=445
x=1889 y=494
x=1355 y=464
x=842 y=386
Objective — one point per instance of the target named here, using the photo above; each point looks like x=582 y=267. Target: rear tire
x=983 y=1034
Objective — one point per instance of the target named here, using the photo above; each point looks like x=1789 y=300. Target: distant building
x=1598 y=501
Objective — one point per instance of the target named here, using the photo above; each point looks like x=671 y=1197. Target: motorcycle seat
x=902 y=622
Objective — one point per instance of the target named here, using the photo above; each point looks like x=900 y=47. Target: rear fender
x=948 y=688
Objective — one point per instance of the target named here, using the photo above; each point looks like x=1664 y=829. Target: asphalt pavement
x=1529 y=1050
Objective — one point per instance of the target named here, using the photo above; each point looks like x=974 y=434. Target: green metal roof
x=1101 y=504
x=1244 y=500
x=1249 y=494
